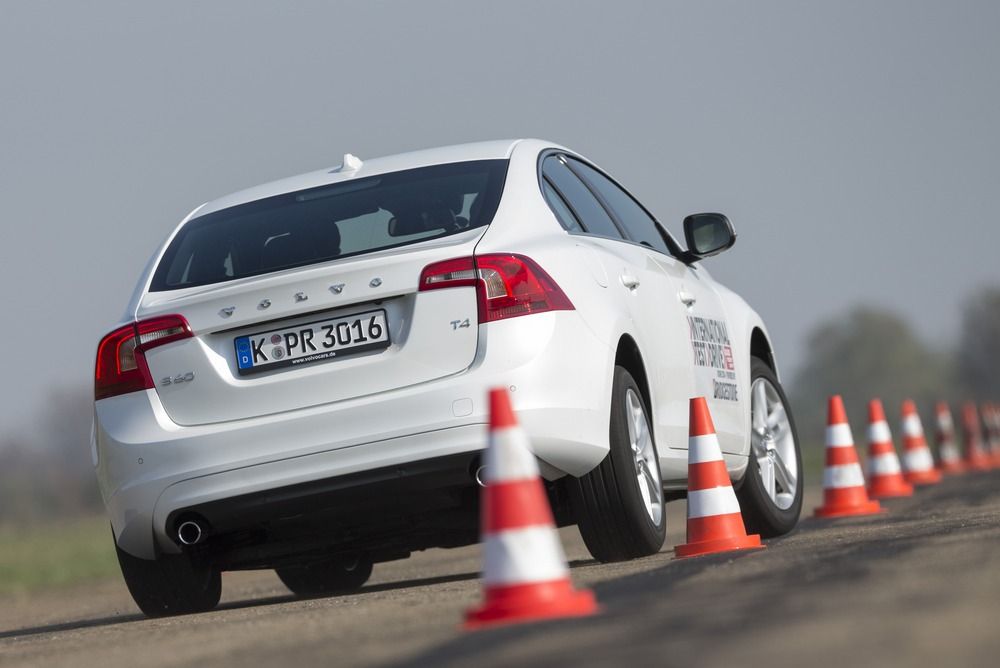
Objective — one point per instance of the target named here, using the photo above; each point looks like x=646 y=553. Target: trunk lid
x=425 y=344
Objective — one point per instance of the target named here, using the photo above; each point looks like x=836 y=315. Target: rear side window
x=559 y=207
x=330 y=222
x=585 y=207
x=639 y=225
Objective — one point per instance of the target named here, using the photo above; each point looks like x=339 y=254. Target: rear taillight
x=507 y=285
x=121 y=365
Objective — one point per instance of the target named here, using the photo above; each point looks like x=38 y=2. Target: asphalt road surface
x=918 y=586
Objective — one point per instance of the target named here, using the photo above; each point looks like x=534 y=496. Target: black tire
x=608 y=506
x=325 y=578
x=170 y=584
x=760 y=514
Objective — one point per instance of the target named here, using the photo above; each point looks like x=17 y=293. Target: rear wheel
x=619 y=505
x=770 y=493
x=341 y=575
x=170 y=584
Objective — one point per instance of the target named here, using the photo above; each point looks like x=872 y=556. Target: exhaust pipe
x=190 y=533
x=480 y=476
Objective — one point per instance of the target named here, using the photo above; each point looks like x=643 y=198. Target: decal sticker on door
x=714 y=368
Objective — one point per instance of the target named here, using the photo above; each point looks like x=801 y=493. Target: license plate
x=311 y=342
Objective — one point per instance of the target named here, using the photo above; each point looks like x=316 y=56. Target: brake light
x=507 y=285
x=121 y=366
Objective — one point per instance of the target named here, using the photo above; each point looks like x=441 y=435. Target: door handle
x=629 y=281
x=686 y=298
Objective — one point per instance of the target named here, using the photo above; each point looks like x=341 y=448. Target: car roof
x=485 y=150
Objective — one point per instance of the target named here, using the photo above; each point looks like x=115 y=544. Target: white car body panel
x=175 y=446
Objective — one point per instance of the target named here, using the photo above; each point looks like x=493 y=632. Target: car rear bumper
x=148 y=467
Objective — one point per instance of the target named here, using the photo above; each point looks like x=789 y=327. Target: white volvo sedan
x=300 y=380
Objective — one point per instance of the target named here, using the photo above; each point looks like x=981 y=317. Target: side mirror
x=707 y=234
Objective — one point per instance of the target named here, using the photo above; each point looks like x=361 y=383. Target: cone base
x=893 y=490
x=978 y=465
x=751 y=542
x=574 y=604
x=952 y=468
x=928 y=477
x=870 y=508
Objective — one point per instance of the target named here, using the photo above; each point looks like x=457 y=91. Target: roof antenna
x=352 y=163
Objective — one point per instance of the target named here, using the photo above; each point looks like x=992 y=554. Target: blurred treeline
x=871 y=352
x=46 y=470
x=867 y=352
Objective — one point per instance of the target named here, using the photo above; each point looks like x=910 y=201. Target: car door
x=688 y=300
x=646 y=288
x=718 y=375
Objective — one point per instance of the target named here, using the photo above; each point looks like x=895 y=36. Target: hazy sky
x=853 y=144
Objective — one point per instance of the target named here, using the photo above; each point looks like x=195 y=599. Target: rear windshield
x=330 y=222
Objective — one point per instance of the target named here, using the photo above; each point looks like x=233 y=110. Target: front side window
x=639 y=225
x=331 y=222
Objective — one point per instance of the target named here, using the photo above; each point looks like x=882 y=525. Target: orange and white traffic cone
x=976 y=458
x=918 y=462
x=714 y=519
x=843 y=482
x=525 y=576
x=949 y=457
x=991 y=418
x=885 y=478
x=995 y=442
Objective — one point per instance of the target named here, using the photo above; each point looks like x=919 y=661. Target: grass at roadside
x=813 y=456
x=55 y=554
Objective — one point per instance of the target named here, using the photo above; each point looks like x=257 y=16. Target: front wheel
x=341 y=575
x=619 y=505
x=770 y=493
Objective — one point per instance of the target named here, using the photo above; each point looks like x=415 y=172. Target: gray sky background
x=853 y=144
